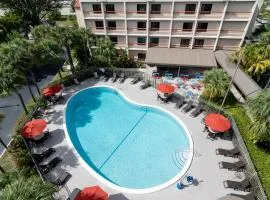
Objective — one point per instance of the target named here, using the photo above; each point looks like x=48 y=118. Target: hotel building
x=141 y=25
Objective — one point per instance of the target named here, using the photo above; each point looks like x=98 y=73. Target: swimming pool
x=130 y=147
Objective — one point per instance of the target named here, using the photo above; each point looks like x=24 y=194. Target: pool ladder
x=180 y=157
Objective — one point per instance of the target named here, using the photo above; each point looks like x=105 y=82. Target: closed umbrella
x=92 y=193
x=217 y=122
x=34 y=128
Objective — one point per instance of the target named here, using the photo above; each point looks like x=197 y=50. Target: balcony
x=92 y=14
x=160 y=14
x=232 y=33
x=136 y=14
x=120 y=44
x=187 y=32
x=237 y=15
x=164 y=45
x=159 y=31
x=114 y=14
x=116 y=31
x=184 y=14
x=98 y=30
x=137 y=31
x=180 y=46
x=206 y=32
x=136 y=45
x=210 y=15
x=203 y=46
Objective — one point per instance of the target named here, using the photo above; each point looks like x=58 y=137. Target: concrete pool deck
x=204 y=167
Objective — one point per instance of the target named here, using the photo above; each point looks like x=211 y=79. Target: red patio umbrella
x=92 y=193
x=34 y=128
x=51 y=90
x=217 y=122
x=166 y=88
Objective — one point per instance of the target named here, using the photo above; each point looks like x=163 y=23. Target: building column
x=171 y=25
x=147 y=24
x=249 y=21
x=221 y=24
x=195 y=24
x=126 y=31
x=103 y=16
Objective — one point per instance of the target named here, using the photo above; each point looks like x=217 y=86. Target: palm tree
x=104 y=53
x=11 y=80
x=216 y=82
x=260 y=110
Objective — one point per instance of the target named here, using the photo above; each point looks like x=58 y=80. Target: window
x=154 y=42
x=141 y=25
x=155 y=8
x=184 y=42
x=114 y=39
x=187 y=26
x=96 y=8
x=190 y=8
x=141 y=8
x=99 y=24
x=202 y=27
x=111 y=25
x=206 y=8
x=141 y=40
x=198 y=43
x=110 y=8
x=141 y=56
x=155 y=26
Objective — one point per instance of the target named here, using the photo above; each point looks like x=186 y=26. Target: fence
x=238 y=141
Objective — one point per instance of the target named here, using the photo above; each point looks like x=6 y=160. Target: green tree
x=8 y=23
x=32 y=11
x=11 y=80
x=259 y=107
x=216 y=82
x=104 y=54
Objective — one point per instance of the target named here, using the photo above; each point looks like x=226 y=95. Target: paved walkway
x=204 y=167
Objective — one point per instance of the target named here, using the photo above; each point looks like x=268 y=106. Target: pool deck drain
x=204 y=167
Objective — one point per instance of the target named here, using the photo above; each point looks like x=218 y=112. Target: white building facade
x=139 y=25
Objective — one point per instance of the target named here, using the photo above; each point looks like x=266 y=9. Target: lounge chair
x=122 y=78
x=145 y=85
x=74 y=194
x=198 y=110
x=228 y=152
x=136 y=80
x=115 y=77
x=180 y=102
x=237 y=185
x=40 y=138
x=248 y=196
x=40 y=156
x=45 y=168
x=232 y=166
x=188 y=107
x=57 y=177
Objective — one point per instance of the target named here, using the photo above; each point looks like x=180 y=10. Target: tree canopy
x=32 y=12
x=216 y=82
x=260 y=110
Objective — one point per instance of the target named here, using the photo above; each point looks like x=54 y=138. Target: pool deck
x=204 y=166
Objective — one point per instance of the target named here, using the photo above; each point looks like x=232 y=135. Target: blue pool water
x=128 y=144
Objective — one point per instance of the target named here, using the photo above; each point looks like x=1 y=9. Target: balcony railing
x=212 y=14
x=231 y=32
x=120 y=44
x=237 y=15
x=207 y=32
x=180 y=31
x=158 y=44
x=180 y=46
x=137 y=45
x=203 y=46
x=227 y=47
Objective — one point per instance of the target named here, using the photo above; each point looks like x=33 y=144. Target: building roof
x=243 y=81
x=181 y=57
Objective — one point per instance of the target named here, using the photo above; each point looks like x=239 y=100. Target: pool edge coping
x=157 y=188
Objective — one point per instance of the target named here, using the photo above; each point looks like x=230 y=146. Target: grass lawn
x=260 y=157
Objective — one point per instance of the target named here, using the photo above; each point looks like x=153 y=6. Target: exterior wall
x=228 y=23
